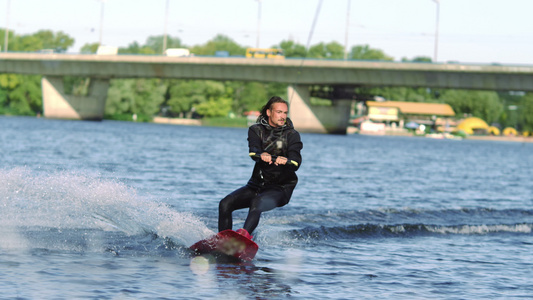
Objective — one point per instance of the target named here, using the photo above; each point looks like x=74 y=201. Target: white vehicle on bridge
x=177 y=52
x=107 y=50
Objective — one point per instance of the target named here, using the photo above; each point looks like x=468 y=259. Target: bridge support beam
x=317 y=119
x=58 y=105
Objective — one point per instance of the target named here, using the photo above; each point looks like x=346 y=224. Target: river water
x=107 y=210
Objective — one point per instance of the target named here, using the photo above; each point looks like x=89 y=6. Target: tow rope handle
x=289 y=161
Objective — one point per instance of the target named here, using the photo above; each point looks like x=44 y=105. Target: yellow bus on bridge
x=265 y=53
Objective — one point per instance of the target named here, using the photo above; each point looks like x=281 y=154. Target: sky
x=469 y=31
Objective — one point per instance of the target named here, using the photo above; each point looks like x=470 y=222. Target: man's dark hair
x=269 y=104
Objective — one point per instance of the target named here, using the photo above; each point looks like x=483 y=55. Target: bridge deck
x=299 y=71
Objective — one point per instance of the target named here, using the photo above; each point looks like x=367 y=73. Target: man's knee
x=225 y=204
x=263 y=204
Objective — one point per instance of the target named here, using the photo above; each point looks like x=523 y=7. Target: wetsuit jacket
x=280 y=141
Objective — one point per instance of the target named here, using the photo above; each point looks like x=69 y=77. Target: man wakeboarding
x=275 y=147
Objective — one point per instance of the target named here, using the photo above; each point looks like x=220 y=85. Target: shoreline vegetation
x=242 y=122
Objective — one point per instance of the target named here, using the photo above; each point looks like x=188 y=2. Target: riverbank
x=243 y=123
x=213 y=122
x=519 y=139
x=177 y=121
x=398 y=132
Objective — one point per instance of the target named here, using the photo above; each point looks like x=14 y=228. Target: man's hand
x=280 y=160
x=266 y=157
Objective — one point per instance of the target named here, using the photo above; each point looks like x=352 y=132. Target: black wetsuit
x=270 y=186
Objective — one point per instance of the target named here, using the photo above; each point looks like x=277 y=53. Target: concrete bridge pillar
x=58 y=105
x=317 y=119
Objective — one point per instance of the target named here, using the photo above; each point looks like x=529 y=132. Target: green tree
x=219 y=107
x=185 y=97
x=25 y=98
x=366 y=53
x=219 y=43
x=402 y=94
x=183 y=94
x=43 y=39
x=135 y=96
x=135 y=48
x=59 y=41
x=250 y=96
x=482 y=104
x=418 y=59
x=526 y=113
x=156 y=43
x=120 y=97
x=3 y=99
x=89 y=48
x=25 y=43
x=292 y=49
x=510 y=118
x=276 y=89
x=331 y=50
x=150 y=95
x=7 y=83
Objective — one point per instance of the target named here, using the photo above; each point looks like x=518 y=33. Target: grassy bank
x=225 y=122
x=214 y=122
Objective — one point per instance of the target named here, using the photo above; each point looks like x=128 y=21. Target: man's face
x=277 y=114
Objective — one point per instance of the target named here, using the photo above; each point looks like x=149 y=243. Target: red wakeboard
x=229 y=243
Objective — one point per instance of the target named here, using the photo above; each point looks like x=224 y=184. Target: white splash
x=66 y=200
x=482 y=229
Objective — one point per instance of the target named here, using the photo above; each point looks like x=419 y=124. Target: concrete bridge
x=298 y=73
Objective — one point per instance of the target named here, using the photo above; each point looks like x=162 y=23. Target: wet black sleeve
x=255 y=144
x=295 y=145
